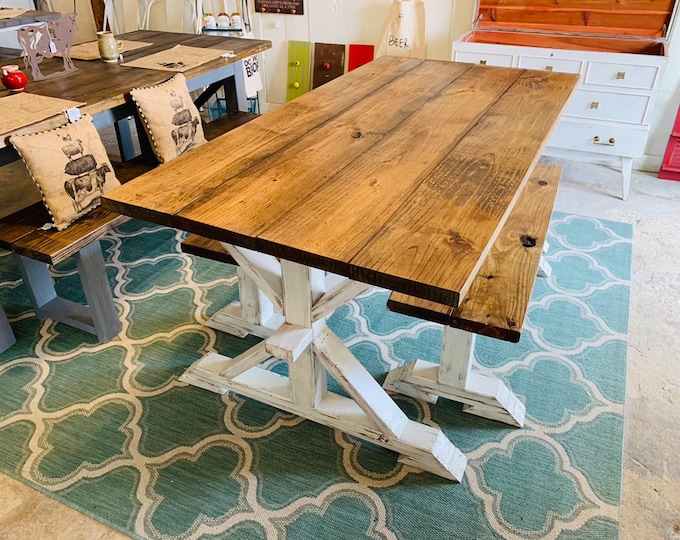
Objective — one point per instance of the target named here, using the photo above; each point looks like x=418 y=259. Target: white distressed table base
x=484 y=396
x=230 y=320
x=312 y=351
x=421 y=446
x=481 y=395
x=254 y=314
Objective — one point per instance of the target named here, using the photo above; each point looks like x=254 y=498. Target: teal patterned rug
x=109 y=430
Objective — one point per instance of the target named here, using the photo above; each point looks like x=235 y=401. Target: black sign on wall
x=292 y=7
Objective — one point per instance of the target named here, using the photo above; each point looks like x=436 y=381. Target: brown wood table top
x=103 y=86
x=399 y=174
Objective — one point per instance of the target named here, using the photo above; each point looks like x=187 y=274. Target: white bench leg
x=312 y=350
x=7 y=338
x=453 y=379
x=99 y=317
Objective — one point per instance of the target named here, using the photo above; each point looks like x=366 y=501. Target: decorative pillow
x=70 y=166
x=170 y=118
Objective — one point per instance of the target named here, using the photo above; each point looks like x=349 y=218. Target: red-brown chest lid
x=643 y=18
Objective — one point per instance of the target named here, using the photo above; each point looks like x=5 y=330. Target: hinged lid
x=649 y=19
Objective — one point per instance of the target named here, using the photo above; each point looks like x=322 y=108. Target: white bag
x=251 y=75
x=251 y=72
x=404 y=33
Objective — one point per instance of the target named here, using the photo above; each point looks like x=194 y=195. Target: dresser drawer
x=488 y=58
x=610 y=106
x=615 y=141
x=622 y=75
x=562 y=65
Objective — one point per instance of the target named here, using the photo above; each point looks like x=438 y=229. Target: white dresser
x=609 y=114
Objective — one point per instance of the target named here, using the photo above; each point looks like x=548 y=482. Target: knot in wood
x=542 y=183
x=455 y=239
x=356 y=134
x=528 y=241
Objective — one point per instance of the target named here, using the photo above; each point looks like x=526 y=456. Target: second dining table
x=102 y=89
x=400 y=175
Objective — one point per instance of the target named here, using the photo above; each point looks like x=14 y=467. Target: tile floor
x=651 y=476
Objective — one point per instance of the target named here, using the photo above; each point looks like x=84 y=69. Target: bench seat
x=207 y=248
x=495 y=306
x=498 y=298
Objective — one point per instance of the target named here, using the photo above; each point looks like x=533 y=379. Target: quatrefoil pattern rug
x=110 y=430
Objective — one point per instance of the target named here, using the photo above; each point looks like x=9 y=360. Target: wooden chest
x=617 y=46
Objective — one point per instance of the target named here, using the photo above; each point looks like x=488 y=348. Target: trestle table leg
x=312 y=351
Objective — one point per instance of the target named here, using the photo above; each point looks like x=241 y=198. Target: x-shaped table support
x=306 y=297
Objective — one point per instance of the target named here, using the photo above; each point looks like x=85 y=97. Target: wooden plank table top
x=399 y=174
x=103 y=86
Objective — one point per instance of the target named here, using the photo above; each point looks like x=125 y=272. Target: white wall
x=361 y=21
x=85 y=20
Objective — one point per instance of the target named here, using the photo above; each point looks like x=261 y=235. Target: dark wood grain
x=283 y=187
x=53 y=246
x=441 y=235
x=206 y=248
x=497 y=301
x=21 y=223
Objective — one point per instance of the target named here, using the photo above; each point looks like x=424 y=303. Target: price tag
x=73 y=114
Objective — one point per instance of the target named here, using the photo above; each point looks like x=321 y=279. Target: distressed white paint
x=311 y=348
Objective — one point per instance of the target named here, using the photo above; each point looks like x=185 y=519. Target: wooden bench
x=495 y=306
x=206 y=248
x=35 y=249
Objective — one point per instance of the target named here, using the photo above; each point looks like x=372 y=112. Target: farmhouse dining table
x=399 y=175
x=103 y=88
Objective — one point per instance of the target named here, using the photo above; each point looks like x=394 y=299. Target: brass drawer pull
x=482 y=62
x=621 y=75
x=548 y=68
x=611 y=142
x=594 y=105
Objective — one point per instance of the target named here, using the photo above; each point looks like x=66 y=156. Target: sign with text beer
x=291 y=7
